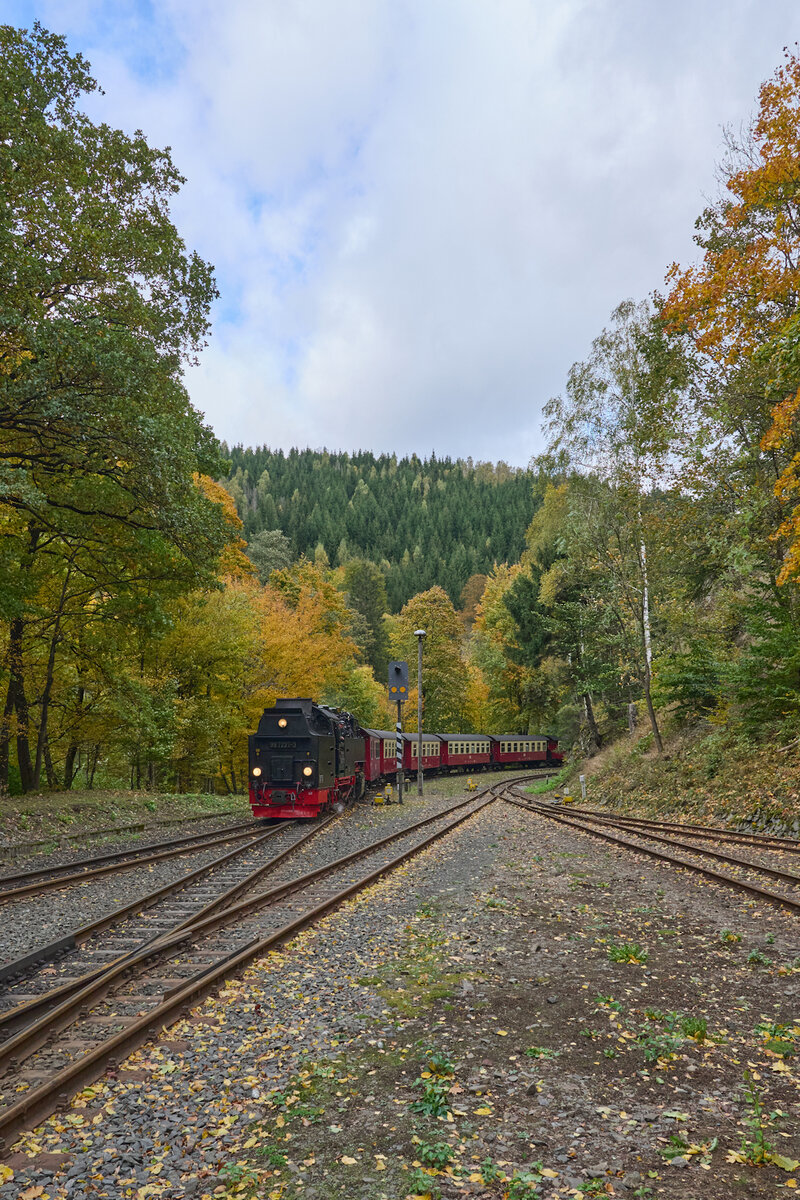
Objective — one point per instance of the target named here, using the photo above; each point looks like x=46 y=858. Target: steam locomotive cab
x=303 y=759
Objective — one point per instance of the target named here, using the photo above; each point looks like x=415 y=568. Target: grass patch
x=419 y=977
x=547 y=785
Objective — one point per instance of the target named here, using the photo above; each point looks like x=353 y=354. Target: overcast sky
x=422 y=211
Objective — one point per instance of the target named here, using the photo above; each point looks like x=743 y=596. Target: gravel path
x=493 y=948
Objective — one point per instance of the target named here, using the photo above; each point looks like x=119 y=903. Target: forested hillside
x=425 y=521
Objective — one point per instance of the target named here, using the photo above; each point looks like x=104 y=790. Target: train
x=306 y=758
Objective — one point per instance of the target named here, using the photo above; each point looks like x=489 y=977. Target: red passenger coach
x=431 y=752
x=555 y=757
x=385 y=761
x=517 y=749
x=372 y=755
x=460 y=750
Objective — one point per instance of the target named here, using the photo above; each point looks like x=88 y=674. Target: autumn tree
x=99 y=445
x=739 y=305
x=444 y=676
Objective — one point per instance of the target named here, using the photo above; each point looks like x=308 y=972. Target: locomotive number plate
x=283 y=745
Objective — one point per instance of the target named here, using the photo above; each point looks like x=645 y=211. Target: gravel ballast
x=499 y=951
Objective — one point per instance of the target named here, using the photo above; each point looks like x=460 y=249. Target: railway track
x=703 y=832
x=120 y=1006
x=639 y=835
x=63 y=838
x=144 y=919
x=43 y=879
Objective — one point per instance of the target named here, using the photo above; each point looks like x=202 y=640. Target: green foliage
x=274 y=1156
x=489 y=1171
x=435 y=1080
x=269 y=551
x=524 y=1185
x=434 y=1099
x=361 y=694
x=105 y=523
x=444 y=674
x=435 y=1154
x=365 y=587
x=422 y=1184
x=660 y=1043
x=755 y=1148
x=541 y=1052
x=695 y=1027
x=627 y=952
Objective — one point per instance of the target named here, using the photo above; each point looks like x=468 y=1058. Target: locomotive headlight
x=256 y=771
x=282 y=722
x=308 y=771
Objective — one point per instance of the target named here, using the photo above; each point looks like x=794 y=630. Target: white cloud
x=422 y=211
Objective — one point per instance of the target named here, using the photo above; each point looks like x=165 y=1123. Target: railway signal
x=398 y=692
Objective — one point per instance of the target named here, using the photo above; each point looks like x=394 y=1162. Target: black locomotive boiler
x=304 y=758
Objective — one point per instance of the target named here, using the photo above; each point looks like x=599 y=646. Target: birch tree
x=615 y=430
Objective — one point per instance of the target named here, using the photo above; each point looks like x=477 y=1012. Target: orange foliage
x=749 y=279
x=233 y=561
x=303 y=648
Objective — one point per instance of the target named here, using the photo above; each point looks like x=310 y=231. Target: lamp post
x=419 y=634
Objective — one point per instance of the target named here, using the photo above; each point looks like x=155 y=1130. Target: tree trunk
x=69 y=765
x=594 y=732
x=70 y=769
x=651 y=712
x=5 y=737
x=648 y=651
x=17 y=673
x=17 y=684
x=95 y=758
x=631 y=718
x=50 y=771
x=41 y=740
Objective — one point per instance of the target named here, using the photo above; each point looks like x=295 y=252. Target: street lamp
x=419 y=634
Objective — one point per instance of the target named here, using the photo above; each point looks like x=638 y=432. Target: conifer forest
x=159 y=588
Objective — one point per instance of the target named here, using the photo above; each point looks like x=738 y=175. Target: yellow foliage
x=780 y=433
x=233 y=560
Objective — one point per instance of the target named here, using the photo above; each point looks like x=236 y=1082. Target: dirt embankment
x=702 y=774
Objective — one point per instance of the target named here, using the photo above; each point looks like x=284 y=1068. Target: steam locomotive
x=307 y=758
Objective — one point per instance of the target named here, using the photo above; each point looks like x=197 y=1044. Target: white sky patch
x=422 y=211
